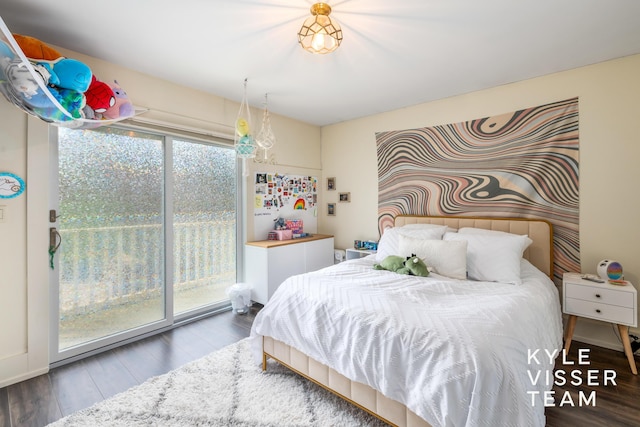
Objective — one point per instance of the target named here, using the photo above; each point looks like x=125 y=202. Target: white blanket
x=454 y=352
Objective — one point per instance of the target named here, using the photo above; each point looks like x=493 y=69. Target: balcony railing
x=110 y=266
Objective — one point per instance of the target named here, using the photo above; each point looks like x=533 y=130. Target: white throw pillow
x=389 y=243
x=447 y=258
x=525 y=240
x=493 y=257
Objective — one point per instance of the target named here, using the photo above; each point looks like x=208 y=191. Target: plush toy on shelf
x=47 y=78
x=21 y=80
x=65 y=79
x=27 y=93
x=122 y=107
x=36 y=49
x=66 y=73
x=100 y=98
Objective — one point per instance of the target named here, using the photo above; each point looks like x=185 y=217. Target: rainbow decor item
x=610 y=270
x=299 y=204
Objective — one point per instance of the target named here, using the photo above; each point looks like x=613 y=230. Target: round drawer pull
x=597 y=295
x=597 y=310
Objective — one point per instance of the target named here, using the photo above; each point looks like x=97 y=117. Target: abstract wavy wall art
x=520 y=164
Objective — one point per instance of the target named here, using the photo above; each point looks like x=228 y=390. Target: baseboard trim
x=23 y=377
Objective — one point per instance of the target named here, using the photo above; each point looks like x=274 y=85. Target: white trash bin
x=240 y=296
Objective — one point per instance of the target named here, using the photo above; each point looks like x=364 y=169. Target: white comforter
x=454 y=352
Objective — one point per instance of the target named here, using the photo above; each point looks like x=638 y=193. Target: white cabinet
x=601 y=301
x=268 y=263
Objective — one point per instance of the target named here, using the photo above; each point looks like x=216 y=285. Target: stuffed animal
x=71 y=100
x=100 y=96
x=64 y=79
x=416 y=266
x=391 y=263
x=22 y=82
x=6 y=53
x=123 y=107
x=66 y=73
x=280 y=224
x=30 y=94
x=412 y=265
x=36 y=49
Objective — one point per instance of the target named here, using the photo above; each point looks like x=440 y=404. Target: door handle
x=55 y=239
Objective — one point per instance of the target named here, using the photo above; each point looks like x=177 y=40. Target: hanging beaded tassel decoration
x=265 y=138
x=245 y=144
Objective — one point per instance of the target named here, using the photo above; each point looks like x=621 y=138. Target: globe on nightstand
x=609 y=270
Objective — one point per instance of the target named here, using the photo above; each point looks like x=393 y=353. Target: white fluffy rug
x=224 y=388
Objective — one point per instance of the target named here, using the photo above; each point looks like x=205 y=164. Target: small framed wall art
x=345 y=197
x=331 y=209
x=10 y=185
x=331 y=183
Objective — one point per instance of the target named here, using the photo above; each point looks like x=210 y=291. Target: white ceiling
x=395 y=53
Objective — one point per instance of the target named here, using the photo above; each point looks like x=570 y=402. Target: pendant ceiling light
x=265 y=138
x=244 y=143
x=319 y=33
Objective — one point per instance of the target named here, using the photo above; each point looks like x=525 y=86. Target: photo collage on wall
x=274 y=192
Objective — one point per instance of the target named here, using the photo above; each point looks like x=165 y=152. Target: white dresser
x=601 y=301
x=269 y=262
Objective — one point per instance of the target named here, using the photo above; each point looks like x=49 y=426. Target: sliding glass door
x=146 y=227
x=204 y=224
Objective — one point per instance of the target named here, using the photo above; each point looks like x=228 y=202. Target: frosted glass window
x=204 y=224
x=111 y=196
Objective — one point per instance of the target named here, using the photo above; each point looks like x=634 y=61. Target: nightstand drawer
x=600 y=295
x=599 y=311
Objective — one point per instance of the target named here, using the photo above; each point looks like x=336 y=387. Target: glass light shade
x=319 y=33
x=266 y=138
x=244 y=142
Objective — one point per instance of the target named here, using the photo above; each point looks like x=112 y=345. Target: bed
x=436 y=350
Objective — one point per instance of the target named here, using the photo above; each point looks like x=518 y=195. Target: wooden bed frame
x=539 y=253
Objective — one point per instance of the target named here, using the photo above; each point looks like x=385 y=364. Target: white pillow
x=447 y=258
x=389 y=243
x=493 y=257
x=526 y=241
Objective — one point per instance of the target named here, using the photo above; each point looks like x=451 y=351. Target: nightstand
x=600 y=301
x=358 y=253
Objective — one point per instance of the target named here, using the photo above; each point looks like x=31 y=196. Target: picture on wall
x=331 y=183
x=345 y=197
x=331 y=209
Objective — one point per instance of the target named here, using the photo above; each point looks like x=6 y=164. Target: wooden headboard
x=539 y=253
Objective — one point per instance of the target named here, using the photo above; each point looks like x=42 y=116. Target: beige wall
x=609 y=152
x=23 y=142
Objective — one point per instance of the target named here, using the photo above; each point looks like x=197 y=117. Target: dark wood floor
x=68 y=388
x=614 y=406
